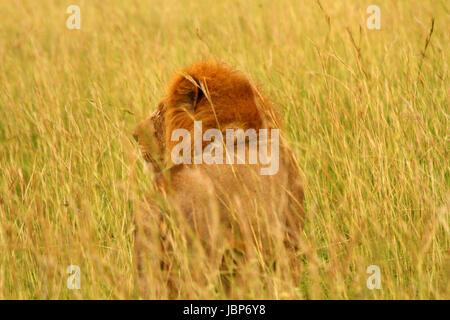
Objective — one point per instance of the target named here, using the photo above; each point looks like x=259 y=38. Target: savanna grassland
x=366 y=113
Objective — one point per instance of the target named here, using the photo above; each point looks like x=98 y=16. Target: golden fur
x=222 y=205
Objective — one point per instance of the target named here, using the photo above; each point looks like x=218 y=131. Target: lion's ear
x=188 y=92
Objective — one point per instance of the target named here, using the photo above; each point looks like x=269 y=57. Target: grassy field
x=366 y=111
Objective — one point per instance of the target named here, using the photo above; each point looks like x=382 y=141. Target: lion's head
x=211 y=92
x=150 y=135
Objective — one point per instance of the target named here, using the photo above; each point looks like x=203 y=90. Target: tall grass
x=367 y=114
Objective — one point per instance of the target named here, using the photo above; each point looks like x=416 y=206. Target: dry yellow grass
x=367 y=113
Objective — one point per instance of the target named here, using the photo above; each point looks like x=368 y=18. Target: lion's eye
x=162 y=107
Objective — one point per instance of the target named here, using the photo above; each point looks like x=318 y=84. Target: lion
x=150 y=135
x=221 y=204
